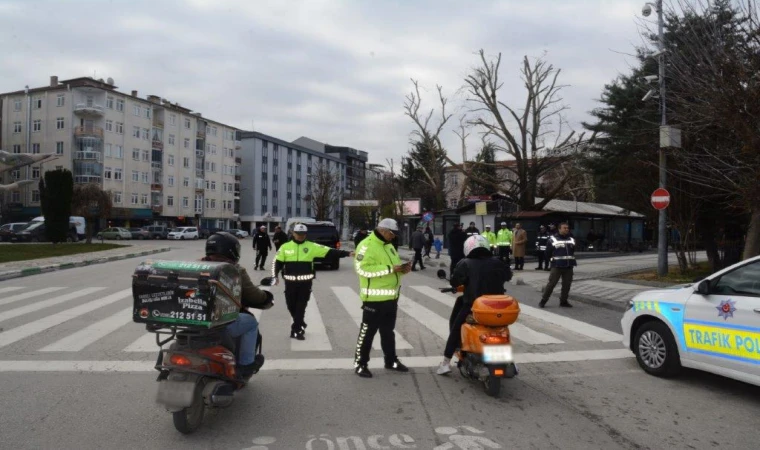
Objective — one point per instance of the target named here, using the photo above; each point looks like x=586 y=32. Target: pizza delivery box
x=189 y=294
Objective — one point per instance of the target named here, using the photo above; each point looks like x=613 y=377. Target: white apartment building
x=162 y=163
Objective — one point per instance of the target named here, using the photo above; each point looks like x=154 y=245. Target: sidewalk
x=18 y=269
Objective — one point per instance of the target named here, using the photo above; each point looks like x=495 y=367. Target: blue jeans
x=247 y=327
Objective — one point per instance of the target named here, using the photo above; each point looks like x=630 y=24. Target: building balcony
x=200 y=154
x=91 y=131
x=237 y=177
x=88 y=109
x=156 y=187
x=88 y=156
x=157 y=145
x=238 y=145
x=198 y=174
x=156 y=165
x=158 y=209
x=200 y=134
x=238 y=160
x=87 y=179
x=158 y=123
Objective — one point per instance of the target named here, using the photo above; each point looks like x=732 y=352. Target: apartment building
x=162 y=163
x=275 y=180
x=355 y=161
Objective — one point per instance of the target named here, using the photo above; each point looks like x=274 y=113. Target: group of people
x=480 y=263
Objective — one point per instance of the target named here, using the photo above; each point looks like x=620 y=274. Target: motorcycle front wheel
x=492 y=385
x=189 y=419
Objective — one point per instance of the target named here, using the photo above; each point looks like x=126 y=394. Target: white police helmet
x=389 y=224
x=299 y=228
x=474 y=242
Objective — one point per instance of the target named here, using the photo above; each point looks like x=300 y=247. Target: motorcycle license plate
x=176 y=393
x=497 y=353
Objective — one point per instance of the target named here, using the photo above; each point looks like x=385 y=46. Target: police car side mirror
x=704 y=288
x=441 y=274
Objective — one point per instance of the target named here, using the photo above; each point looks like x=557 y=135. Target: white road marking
x=306 y=364
x=145 y=343
x=5 y=315
x=8 y=337
x=351 y=302
x=30 y=294
x=517 y=330
x=82 y=338
x=10 y=289
x=432 y=321
x=316 y=334
x=577 y=326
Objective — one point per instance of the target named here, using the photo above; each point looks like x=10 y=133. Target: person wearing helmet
x=480 y=274
x=295 y=259
x=224 y=247
x=379 y=269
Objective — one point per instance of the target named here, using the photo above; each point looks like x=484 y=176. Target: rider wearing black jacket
x=480 y=274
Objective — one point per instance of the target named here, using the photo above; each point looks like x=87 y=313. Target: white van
x=78 y=222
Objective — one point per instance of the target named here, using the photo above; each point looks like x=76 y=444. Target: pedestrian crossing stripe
x=317 y=339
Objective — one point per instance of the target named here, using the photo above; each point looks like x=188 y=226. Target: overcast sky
x=335 y=71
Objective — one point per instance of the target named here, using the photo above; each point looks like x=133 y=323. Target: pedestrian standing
x=471 y=230
x=295 y=260
x=428 y=241
x=520 y=244
x=262 y=245
x=380 y=270
x=491 y=237
x=438 y=247
x=279 y=237
x=456 y=245
x=418 y=242
x=560 y=251
x=541 y=239
x=360 y=236
x=504 y=242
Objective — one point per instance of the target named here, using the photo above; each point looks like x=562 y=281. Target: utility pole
x=662 y=238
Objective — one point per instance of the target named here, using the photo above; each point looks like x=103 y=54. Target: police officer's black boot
x=363 y=371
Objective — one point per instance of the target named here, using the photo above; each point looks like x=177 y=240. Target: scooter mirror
x=441 y=274
x=268 y=281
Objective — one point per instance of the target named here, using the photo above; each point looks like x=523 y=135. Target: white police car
x=712 y=325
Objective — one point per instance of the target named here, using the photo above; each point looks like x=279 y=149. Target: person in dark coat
x=279 y=237
x=456 y=245
x=261 y=244
x=428 y=241
x=360 y=236
x=418 y=243
x=472 y=230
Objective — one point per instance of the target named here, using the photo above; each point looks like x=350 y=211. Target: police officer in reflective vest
x=295 y=259
x=491 y=237
x=541 y=239
x=504 y=242
x=560 y=251
x=379 y=269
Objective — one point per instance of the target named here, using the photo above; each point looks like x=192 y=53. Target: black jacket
x=261 y=242
x=359 y=237
x=470 y=231
x=560 y=251
x=279 y=238
x=456 y=243
x=480 y=275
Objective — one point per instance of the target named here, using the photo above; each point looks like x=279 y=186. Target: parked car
x=711 y=325
x=139 y=233
x=79 y=223
x=35 y=232
x=324 y=233
x=183 y=233
x=204 y=233
x=117 y=233
x=8 y=230
x=240 y=234
x=158 y=231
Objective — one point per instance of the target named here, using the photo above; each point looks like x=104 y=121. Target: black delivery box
x=189 y=294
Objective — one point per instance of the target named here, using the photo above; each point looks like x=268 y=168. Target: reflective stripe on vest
x=562 y=257
x=366 y=274
x=298 y=277
x=378 y=292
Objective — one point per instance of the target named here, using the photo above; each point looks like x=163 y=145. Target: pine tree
x=56 y=192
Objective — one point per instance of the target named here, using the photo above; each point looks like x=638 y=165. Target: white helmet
x=475 y=241
x=389 y=224
x=299 y=228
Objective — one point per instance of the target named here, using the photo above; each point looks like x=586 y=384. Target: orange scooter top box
x=495 y=310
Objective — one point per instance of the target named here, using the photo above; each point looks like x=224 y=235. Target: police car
x=711 y=325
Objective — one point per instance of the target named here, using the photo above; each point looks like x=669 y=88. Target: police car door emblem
x=726 y=309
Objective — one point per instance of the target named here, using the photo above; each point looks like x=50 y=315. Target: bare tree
x=91 y=202
x=325 y=190
x=540 y=121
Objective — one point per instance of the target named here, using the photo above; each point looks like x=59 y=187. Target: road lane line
x=26 y=295
x=316 y=336
x=10 y=289
x=432 y=321
x=5 y=315
x=577 y=326
x=352 y=304
x=82 y=338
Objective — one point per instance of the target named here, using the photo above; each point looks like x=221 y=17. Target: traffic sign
x=660 y=199
x=428 y=216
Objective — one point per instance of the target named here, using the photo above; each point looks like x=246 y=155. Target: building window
x=60 y=99
x=143 y=199
x=145 y=178
x=170 y=180
x=109 y=102
x=17 y=127
x=213 y=185
x=107 y=173
x=186 y=182
x=35 y=196
x=172 y=119
x=117 y=197
x=119 y=104
x=187 y=143
x=170 y=200
x=37 y=103
x=171 y=139
x=137 y=113
x=119 y=128
x=134 y=199
x=109 y=125
x=16 y=148
x=136 y=132
x=147 y=113
x=59 y=124
x=118 y=151
x=15 y=197
x=136 y=154
x=146 y=134
x=37 y=126
x=185 y=202
x=35 y=148
x=36 y=173
x=135 y=175
x=146 y=155
x=17 y=105
x=170 y=160
x=186 y=162
x=117 y=174
x=187 y=124
x=213 y=203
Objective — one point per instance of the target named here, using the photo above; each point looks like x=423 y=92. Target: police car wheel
x=656 y=350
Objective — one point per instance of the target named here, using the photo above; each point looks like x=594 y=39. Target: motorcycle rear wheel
x=492 y=385
x=189 y=419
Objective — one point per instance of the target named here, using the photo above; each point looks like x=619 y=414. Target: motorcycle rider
x=480 y=274
x=224 y=247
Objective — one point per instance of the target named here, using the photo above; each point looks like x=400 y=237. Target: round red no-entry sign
x=660 y=199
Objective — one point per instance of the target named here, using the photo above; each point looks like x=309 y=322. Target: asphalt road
x=75 y=372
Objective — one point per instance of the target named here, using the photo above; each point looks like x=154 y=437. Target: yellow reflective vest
x=491 y=236
x=374 y=262
x=504 y=238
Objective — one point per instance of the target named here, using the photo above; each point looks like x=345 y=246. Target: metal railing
x=86 y=179
x=88 y=109
x=93 y=156
x=88 y=131
x=157 y=145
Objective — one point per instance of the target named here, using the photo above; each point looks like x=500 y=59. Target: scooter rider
x=480 y=274
x=295 y=259
x=224 y=247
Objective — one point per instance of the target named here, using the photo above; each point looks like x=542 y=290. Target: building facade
x=275 y=180
x=355 y=161
x=162 y=163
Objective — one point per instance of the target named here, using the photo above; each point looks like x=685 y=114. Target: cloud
x=335 y=71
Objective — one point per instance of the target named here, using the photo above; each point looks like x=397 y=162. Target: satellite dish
x=110 y=80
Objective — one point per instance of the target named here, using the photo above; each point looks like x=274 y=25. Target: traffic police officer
x=504 y=242
x=491 y=237
x=295 y=259
x=560 y=250
x=541 y=239
x=379 y=269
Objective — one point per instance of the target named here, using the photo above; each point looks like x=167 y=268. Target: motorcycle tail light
x=180 y=360
x=498 y=372
x=494 y=339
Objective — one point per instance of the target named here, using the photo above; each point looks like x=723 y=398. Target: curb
x=70 y=265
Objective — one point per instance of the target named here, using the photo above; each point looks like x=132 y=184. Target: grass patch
x=24 y=252
x=674 y=274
